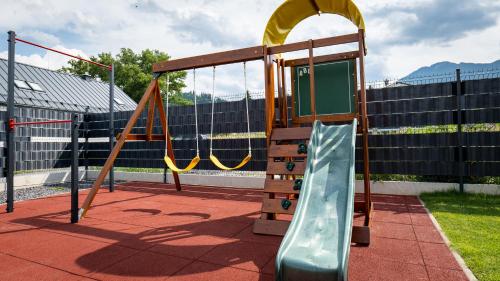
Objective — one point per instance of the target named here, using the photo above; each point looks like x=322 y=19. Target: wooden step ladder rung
x=274 y=206
x=280 y=186
x=299 y=133
x=279 y=168
x=285 y=150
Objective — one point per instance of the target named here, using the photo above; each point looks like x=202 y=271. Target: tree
x=201 y=98
x=133 y=73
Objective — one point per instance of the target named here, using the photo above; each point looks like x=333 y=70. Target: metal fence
x=39 y=147
x=414 y=129
x=433 y=108
x=229 y=117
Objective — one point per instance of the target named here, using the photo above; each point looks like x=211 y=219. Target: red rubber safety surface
x=150 y=231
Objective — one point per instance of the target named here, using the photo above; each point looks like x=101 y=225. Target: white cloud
x=48 y=60
x=193 y=27
x=41 y=37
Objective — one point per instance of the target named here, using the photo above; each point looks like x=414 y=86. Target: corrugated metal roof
x=62 y=91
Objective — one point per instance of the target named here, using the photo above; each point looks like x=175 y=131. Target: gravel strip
x=35 y=192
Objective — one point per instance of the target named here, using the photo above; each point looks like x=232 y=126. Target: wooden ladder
x=280 y=181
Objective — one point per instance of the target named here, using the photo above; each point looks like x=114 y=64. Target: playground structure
x=330 y=96
x=309 y=188
x=277 y=131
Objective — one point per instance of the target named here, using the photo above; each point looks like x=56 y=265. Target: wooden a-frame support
x=153 y=97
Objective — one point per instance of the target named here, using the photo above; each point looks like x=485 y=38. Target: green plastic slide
x=316 y=245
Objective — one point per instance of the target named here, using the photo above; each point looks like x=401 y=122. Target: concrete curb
x=455 y=254
x=37 y=178
x=238 y=181
x=379 y=187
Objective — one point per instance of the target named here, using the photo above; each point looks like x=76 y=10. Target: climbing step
x=286 y=163
x=275 y=206
x=298 y=133
x=280 y=186
x=285 y=150
x=280 y=168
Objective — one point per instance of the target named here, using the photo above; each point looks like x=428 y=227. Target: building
x=38 y=87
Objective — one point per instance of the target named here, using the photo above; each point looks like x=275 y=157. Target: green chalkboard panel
x=334 y=88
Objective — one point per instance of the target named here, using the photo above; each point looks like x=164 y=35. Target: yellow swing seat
x=213 y=158
x=194 y=162
x=223 y=167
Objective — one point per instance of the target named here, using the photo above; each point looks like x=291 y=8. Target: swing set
x=332 y=95
x=170 y=162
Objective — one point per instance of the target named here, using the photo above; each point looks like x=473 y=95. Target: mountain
x=446 y=67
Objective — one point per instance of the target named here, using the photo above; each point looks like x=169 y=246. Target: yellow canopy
x=291 y=12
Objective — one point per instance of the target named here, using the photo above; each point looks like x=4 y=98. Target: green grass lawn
x=472 y=223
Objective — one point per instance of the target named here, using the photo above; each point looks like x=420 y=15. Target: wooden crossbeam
x=144 y=137
x=227 y=57
x=325 y=58
x=279 y=186
x=317 y=43
x=248 y=54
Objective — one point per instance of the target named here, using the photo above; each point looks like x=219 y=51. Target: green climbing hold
x=290 y=165
x=285 y=204
x=302 y=148
x=298 y=184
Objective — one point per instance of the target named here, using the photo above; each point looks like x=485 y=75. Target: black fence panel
x=391 y=111
x=39 y=147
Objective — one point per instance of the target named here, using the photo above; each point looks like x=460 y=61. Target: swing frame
x=271 y=57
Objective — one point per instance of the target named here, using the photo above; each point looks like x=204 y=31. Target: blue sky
x=401 y=35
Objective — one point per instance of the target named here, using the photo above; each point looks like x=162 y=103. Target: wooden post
x=151 y=116
x=364 y=124
x=269 y=93
x=311 y=80
x=116 y=149
x=164 y=124
x=285 y=98
x=270 y=118
x=280 y=91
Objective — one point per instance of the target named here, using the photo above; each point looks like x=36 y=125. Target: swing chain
x=212 y=116
x=166 y=113
x=196 y=113
x=246 y=102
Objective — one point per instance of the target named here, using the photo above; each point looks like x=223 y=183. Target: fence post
x=86 y=144
x=10 y=130
x=459 y=132
x=111 y=123
x=74 y=168
x=164 y=164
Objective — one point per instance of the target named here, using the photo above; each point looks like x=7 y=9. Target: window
x=22 y=84
x=118 y=101
x=35 y=87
